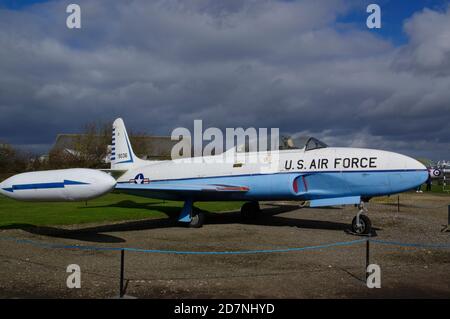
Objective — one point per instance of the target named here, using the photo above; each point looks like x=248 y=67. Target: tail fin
x=122 y=155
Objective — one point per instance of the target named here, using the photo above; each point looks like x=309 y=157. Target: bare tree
x=12 y=161
x=88 y=149
x=139 y=142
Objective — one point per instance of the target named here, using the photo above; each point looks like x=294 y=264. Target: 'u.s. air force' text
x=336 y=163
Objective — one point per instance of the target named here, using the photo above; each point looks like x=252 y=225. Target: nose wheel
x=361 y=224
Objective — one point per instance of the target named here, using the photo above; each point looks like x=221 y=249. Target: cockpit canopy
x=307 y=143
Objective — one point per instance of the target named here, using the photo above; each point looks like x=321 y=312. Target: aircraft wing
x=183 y=187
x=172 y=190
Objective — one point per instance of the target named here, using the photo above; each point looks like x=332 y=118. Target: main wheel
x=250 y=210
x=197 y=219
x=364 y=227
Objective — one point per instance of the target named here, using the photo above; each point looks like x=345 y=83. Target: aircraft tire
x=366 y=225
x=198 y=218
x=250 y=210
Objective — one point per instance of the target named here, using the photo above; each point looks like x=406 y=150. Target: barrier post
x=446 y=228
x=398 y=203
x=122 y=259
x=367 y=257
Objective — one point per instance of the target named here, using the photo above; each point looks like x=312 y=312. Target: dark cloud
x=287 y=64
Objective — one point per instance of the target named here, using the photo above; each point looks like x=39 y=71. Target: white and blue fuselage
x=296 y=175
x=322 y=175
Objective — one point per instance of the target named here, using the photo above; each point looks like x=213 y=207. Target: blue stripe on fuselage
x=297 y=173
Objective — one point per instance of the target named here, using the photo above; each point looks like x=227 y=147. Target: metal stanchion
x=447 y=227
x=122 y=259
x=367 y=257
x=123 y=284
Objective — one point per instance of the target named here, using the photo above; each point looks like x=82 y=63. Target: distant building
x=145 y=147
x=43 y=158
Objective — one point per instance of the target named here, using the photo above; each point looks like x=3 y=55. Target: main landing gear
x=191 y=215
x=197 y=218
x=361 y=224
x=250 y=210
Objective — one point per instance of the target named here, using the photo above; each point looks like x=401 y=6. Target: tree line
x=89 y=149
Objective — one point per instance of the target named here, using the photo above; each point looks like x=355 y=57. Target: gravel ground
x=28 y=271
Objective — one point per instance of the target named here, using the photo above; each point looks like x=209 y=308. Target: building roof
x=146 y=147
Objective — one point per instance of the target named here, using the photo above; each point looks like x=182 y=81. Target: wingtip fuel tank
x=77 y=184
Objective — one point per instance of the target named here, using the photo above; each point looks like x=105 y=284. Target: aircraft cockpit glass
x=303 y=142
x=314 y=143
x=287 y=143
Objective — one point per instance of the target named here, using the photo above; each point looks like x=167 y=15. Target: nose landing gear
x=361 y=224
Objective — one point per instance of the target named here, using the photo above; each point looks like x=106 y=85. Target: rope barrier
x=179 y=252
x=418 y=245
x=241 y=252
x=227 y=252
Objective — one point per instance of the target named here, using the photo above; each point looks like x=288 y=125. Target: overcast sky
x=304 y=66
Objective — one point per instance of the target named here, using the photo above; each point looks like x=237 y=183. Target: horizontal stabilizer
x=335 y=201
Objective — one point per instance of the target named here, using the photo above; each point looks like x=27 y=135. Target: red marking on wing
x=233 y=188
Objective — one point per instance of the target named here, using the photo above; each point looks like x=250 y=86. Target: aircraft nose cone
x=420 y=165
x=418 y=170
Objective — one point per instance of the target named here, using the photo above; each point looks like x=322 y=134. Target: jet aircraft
x=306 y=171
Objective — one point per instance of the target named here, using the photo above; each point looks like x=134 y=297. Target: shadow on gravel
x=268 y=217
x=78 y=234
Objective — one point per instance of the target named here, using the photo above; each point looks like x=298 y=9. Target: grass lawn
x=112 y=207
x=435 y=188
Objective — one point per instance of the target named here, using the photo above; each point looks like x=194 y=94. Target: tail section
x=122 y=155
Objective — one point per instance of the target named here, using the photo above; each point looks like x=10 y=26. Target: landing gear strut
x=191 y=215
x=250 y=210
x=361 y=224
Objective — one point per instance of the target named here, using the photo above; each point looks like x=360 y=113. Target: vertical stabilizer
x=122 y=155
